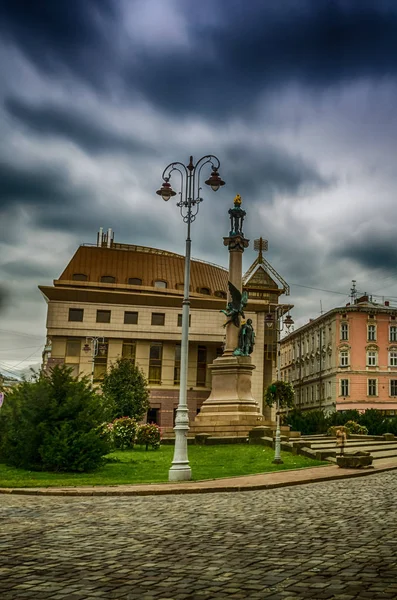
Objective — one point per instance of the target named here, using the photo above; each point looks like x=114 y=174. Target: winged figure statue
x=235 y=308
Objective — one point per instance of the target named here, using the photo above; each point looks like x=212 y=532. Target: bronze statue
x=235 y=308
x=246 y=339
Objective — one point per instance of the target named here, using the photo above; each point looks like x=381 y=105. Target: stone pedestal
x=231 y=406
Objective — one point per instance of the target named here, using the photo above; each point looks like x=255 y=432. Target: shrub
x=355 y=428
x=106 y=433
x=149 y=435
x=125 y=390
x=124 y=432
x=52 y=423
x=308 y=422
x=342 y=417
x=375 y=422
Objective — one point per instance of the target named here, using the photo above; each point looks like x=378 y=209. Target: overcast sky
x=296 y=98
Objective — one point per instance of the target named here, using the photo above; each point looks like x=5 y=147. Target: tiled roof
x=147 y=264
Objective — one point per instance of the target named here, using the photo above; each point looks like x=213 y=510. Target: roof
x=148 y=264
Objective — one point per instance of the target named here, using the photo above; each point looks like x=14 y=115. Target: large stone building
x=130 y=297
x=344 y=359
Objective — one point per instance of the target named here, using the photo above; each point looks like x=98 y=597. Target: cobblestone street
x=325 y=540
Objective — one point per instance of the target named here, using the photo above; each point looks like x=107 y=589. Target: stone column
x=236 y=245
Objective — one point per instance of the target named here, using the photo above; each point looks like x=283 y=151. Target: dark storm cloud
x=89 y=134
x=371 y=252
x=263 y=173
x=229 y=60
x=258 y=46
x=68 y=33
x=35 y=185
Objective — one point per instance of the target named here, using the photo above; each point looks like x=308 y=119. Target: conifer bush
x=125 y=389
x=51 y=423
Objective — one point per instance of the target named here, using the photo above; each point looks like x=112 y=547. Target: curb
x=193 y=488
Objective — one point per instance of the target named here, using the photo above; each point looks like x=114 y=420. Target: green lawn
x=139 y=466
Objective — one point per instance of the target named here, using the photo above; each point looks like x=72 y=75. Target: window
x=201 y=366
x=159 y=283
x=204 y=290
x=153 y=415
x=180 y=286
x=76 y=314
x=108 y=279
x=372 y=385
x=158 y=318
x=393 y=387
x=372 y=358
x=344 y=358
x=344 y=387
x=180 y=320
x=344 y=331
x=177 y=365
x=135 y=281
x=372 y=333
x=220 y=294
x=155 y=362
x=129 y=350
x=100 y=361
x=130 y=318
x=393 y=358
x=103 y=316
x=79 y=277
x=73 y=347
x=393 y=333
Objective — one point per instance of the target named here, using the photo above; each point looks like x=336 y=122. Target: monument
x=231 y=406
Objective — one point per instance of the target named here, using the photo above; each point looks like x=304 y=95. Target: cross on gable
x=261 y=245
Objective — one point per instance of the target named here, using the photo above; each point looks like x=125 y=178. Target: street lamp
x=189 y=205
x=278 y=322
x=92 y=345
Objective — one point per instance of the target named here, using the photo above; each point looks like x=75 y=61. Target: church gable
x=260 y=279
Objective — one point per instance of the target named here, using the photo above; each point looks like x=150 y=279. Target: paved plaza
x=335 y=539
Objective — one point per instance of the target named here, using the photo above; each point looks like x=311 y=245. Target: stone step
x=353 y=443
x=376 y=456
x=352 y=448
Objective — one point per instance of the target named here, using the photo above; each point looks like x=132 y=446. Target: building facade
x=121 y=300
x=345 y=359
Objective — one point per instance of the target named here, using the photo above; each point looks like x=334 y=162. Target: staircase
x=325 y=447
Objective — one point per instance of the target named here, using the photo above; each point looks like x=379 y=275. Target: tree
x=52 y=423
x=280 y=393
x=125 y=390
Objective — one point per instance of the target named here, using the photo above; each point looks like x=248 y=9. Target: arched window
x=220 y=294
x=108 y=279
x=135 y=281
x=159 y=283
x=79 y=277
x=204 y=290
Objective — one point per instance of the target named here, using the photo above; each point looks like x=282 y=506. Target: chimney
x=100 y=237
x=387 y=303
x=109 y=240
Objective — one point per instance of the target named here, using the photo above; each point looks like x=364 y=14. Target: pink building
x=345 y=359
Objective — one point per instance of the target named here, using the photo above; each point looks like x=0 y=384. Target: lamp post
x=189 y=201
x=92 y=344
x=278 y=322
